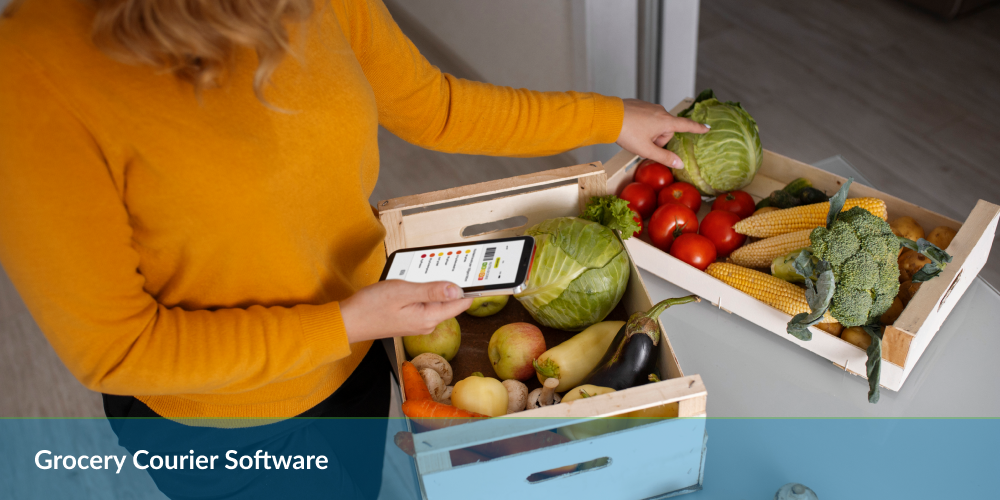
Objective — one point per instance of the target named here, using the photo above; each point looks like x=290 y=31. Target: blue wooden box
x=654 y=458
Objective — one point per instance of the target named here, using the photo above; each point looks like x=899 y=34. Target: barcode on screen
x=490 y=252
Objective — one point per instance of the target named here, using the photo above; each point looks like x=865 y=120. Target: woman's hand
x=648 y=127
x=395 y=308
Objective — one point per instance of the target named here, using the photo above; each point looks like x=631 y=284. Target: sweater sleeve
x=438 y=111
x=65 y=242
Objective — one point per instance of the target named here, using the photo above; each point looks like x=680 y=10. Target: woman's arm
x=66 y=243
x=424 y=106
x=438 y=111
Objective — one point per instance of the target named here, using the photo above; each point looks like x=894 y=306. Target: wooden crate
x=650 y=461
x=906 y=339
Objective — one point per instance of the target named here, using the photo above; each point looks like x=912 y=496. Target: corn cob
x=792 y=219
x=761 y=253
x=772 y=291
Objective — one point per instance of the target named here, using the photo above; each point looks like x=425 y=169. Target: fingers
x=438 y=291
x=660 y=155
x=662 y=140
x=688 y=125
x=440 y=311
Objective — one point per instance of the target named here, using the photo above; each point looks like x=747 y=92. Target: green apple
x=513 y=348
x=487 y=306
x=443 y=341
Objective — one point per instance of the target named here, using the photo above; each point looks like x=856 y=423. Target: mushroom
x=545 y=396
x=434 y=383
x=436 y=363
x=517 y=395
x=446 y=398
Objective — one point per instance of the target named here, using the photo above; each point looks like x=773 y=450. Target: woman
x=184 y=193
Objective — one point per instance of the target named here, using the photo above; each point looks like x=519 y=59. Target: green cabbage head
x=728 y=156
x=578 y=276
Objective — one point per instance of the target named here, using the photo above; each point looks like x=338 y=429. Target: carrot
x=431 y=415
x=413 y=383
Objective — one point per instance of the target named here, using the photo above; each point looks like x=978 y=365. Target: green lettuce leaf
x=613 y=212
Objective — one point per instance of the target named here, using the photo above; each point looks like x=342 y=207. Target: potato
x=857 y=336
x=831 y=328
x=892 y=314
x=906 y=291
x=907 y=228
x=909 y=263
x=941 y=236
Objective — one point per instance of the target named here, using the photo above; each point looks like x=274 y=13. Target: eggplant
x=631 y=357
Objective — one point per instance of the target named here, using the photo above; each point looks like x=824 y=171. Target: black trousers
x=348 y=428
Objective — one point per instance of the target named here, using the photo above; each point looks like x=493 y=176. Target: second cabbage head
x=728 y=156
x=578 y=276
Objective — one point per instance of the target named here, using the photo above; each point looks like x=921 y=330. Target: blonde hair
x=195 y=39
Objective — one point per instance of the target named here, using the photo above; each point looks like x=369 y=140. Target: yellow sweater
x=192 y=254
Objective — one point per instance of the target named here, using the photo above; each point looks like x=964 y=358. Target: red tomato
x=694 y=249
x=717 y=226
x=641 y=199
x=737 y=202
x=683 y=193
x=654 y=175
x=669 y=222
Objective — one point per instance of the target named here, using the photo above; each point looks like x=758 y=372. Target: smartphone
x=491 y=267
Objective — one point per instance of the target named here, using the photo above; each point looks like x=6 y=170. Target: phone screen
x=491 y=264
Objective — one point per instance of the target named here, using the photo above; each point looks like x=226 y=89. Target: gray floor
x=912 y=102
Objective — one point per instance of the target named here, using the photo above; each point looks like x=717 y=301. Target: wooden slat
x=896 y=345
x=397 y=343
x=681 y=106
x=590 y=186
x=490 y=187
x=392 y=221
x=619 y=170
x=430 y=462
x=616 y=403
x=692 y=407
x=444 y=226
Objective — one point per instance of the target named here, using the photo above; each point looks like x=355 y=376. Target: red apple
x=513 y=348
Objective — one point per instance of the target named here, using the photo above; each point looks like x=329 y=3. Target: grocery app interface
x=467 y=266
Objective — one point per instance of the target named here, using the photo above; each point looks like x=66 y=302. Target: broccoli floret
x=850 y=306
x=859 y=271
x=882 y=303
x=861 y=250
x=834 y=245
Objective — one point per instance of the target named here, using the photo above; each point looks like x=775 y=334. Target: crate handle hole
x=494 y=227
x=580 y=468
x=950 y=288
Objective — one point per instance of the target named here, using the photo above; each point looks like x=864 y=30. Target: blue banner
x=322 y=458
